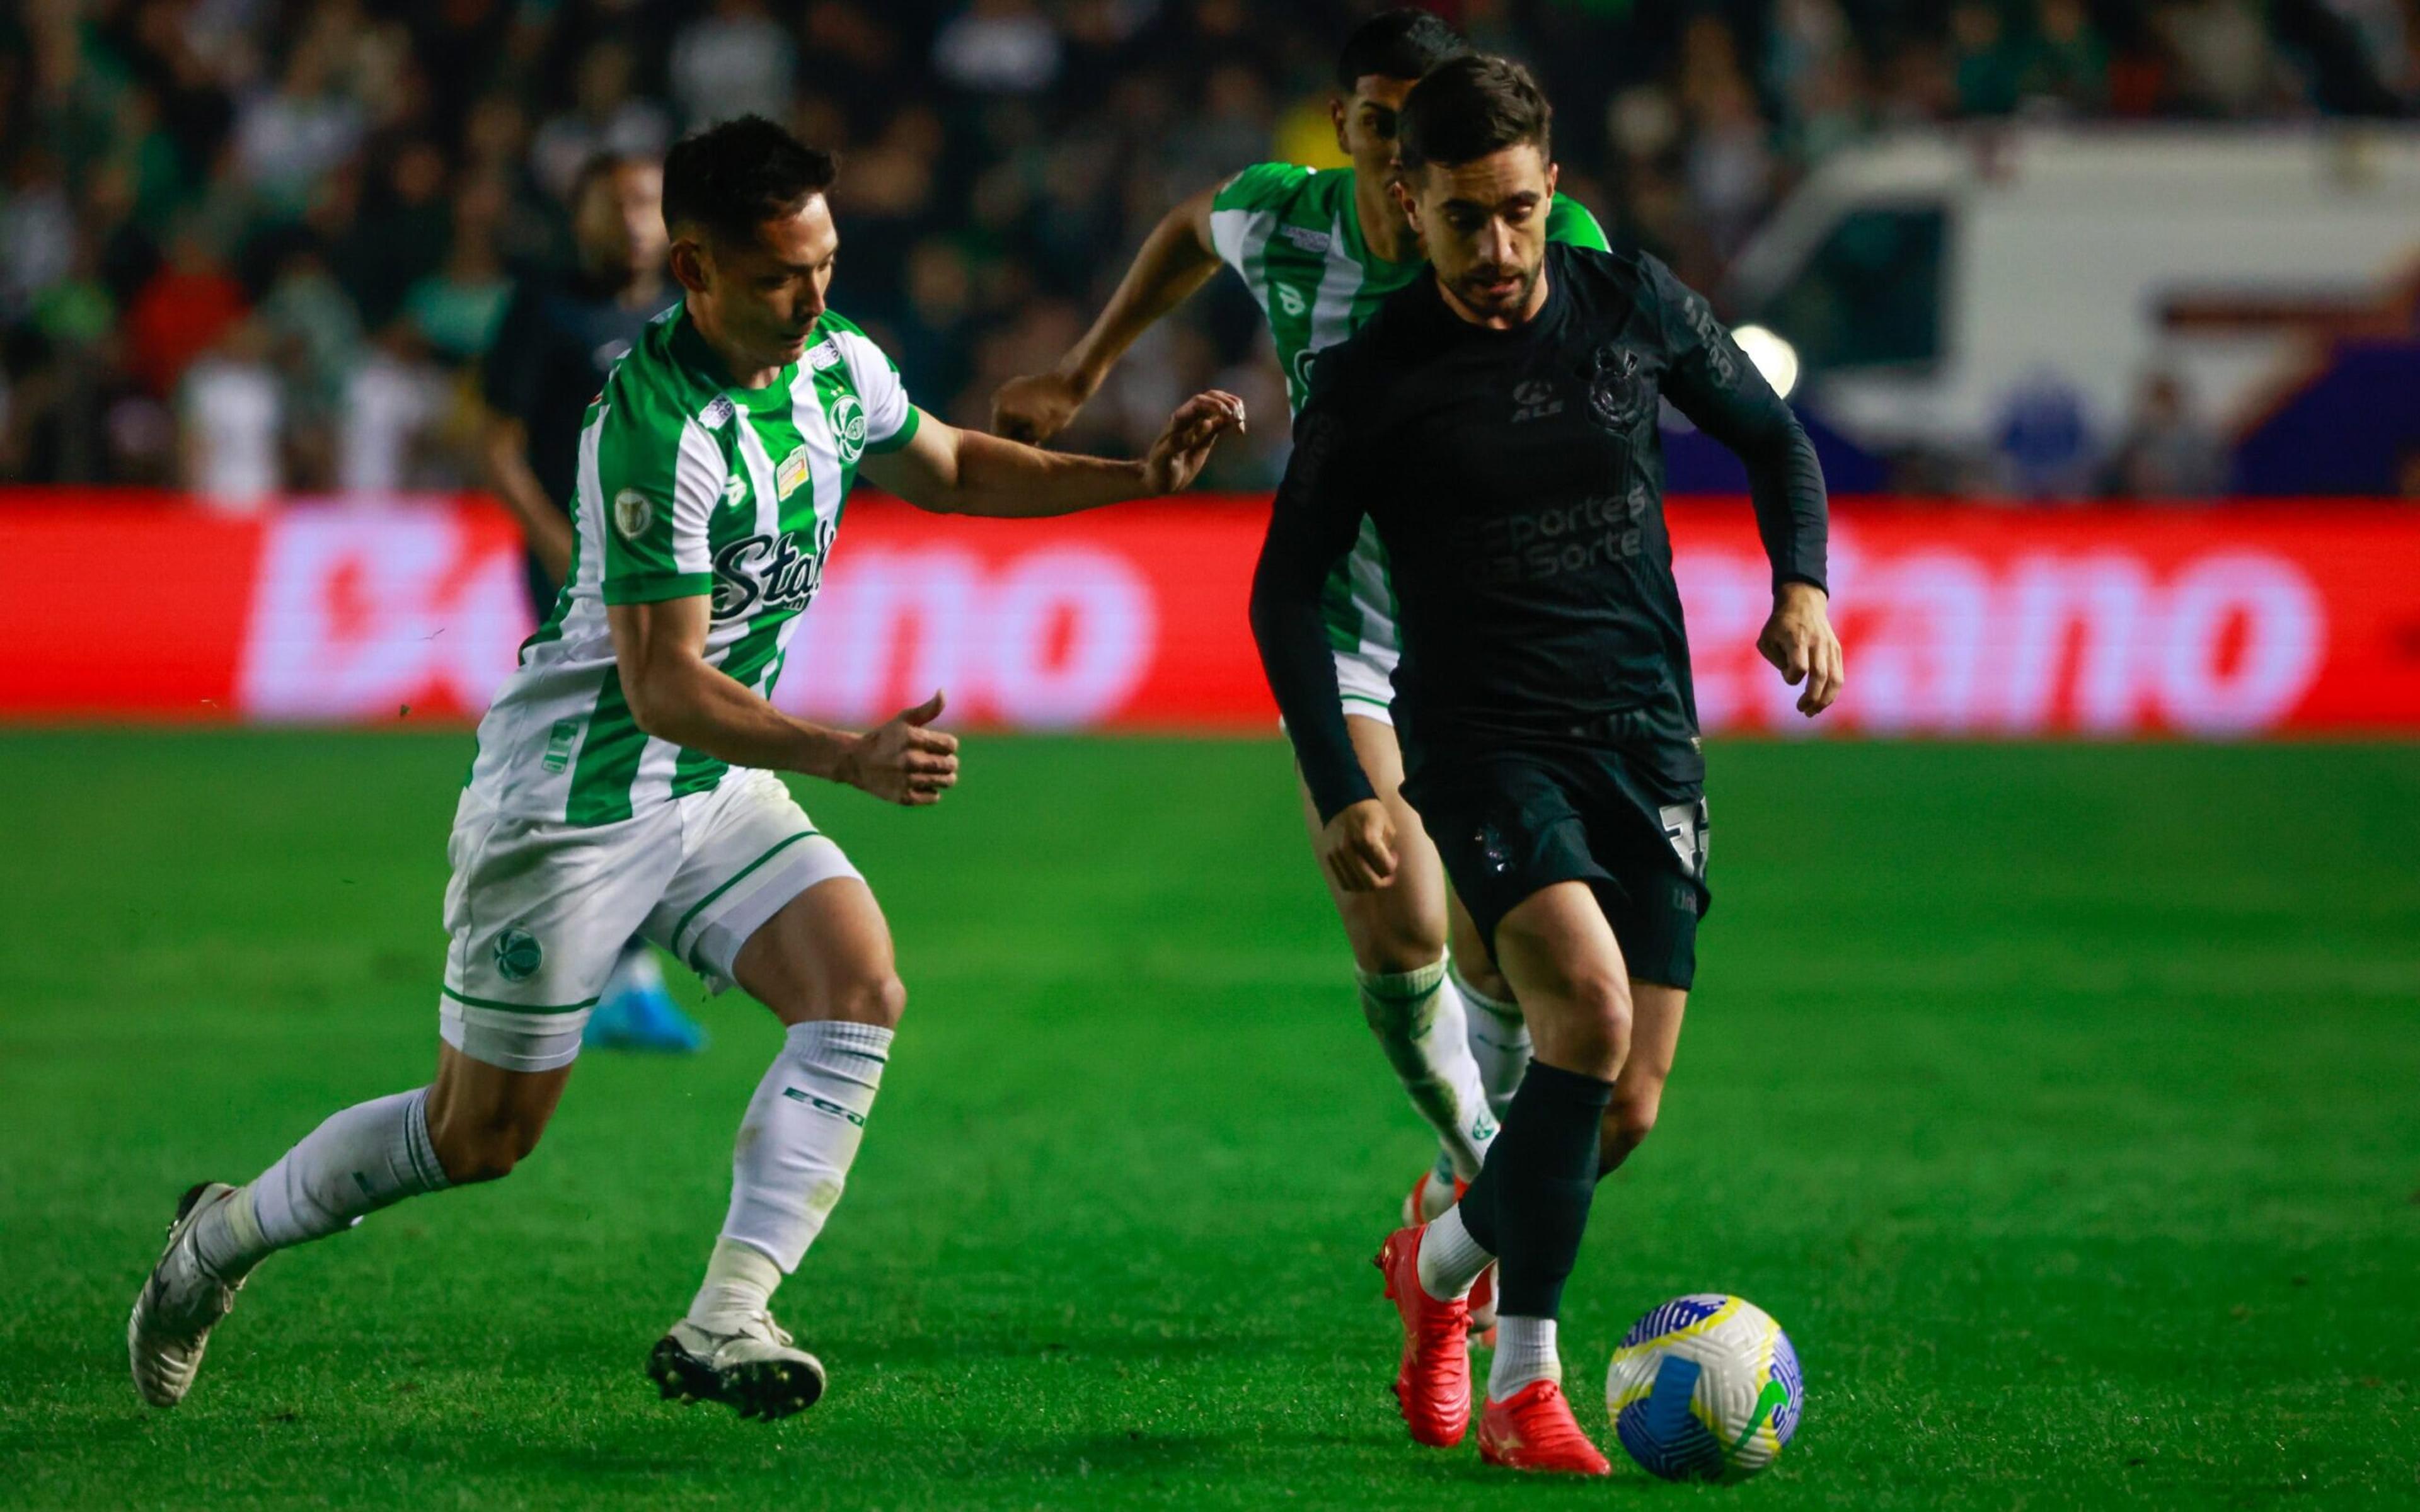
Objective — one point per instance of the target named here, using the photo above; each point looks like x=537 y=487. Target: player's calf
x=1638 y=1091
x=1417 y=1020
x=367 y=1157
x=1498 y=1035
x=823 y=965
x=482 y=1120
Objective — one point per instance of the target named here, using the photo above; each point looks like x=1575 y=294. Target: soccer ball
x=1705 y=1388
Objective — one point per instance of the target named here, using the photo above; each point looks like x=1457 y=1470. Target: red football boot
x=1533 y=1429
x=1427 y=1194
x=1432 y=1385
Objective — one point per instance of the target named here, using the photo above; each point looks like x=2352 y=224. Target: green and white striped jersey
x=1294 y=234
x=687 y=487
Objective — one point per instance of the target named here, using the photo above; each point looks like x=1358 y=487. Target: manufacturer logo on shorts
x=518 y=955
x=559 y=742
x=1686 y=825
x=632 y=514
x=849 y=427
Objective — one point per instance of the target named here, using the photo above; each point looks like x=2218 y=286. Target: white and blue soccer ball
x=1705 y=1387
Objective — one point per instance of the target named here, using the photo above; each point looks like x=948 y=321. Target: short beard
x=1491 y=304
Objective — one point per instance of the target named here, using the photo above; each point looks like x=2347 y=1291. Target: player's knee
x=1393 y=957
x=485 y=1150
x=1588 y=1028
x=875 y=998
x=1390 y=941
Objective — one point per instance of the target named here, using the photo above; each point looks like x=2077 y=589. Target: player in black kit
x=560 y=336
x=1497 y=424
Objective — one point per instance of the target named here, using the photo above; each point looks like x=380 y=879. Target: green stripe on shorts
x=730 y=882
x=520 y=1008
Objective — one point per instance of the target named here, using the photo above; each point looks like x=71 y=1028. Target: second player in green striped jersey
x=1296 y=237
x=1320 y=251
x=687 y=487
x=1294 y=234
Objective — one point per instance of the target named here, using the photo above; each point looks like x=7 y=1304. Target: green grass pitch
x=2063 y=1103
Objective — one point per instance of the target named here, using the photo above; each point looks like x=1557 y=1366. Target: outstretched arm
x=1177 y=258
x=1713 y=383
x=677 y=695
x=952 y=471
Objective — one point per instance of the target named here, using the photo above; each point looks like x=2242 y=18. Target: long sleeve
x=1713 y=383
x=1314 y=520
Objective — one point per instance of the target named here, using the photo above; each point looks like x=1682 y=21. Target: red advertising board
x=1958 y=620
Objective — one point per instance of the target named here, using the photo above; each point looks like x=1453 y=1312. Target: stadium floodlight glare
x=1774 y=357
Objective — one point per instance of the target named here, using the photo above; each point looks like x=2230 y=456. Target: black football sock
x=1530 y=1204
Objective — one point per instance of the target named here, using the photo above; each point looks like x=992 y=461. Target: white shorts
x=539 y=910
x=1365 y=680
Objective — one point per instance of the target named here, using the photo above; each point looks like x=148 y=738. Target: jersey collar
x=690 y=350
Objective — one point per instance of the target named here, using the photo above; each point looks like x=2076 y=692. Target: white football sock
x=1450 y=1260
x=1419 y=1020
x=1438 y=1194
x=802 y=1133
x=367 y=1157
x=739 y=1282
x=1525 y=1352
x=1498 y=1039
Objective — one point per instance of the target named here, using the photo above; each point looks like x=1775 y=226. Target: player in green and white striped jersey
x=624 y=783
x=1319 y=251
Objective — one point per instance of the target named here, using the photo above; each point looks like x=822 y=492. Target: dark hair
x=598 y=165
x=733 y=176
x=1397 y=44
x=1470 y=106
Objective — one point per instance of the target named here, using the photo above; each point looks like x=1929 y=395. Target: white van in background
x=1929 y=281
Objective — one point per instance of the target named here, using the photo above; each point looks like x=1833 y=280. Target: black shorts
x=1629 y=821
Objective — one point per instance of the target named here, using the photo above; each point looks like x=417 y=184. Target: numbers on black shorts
x=1686 y=826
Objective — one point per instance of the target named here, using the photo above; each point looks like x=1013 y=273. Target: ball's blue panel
x=1678 y=1313
x=1785 y=1369
x=1660 y=1432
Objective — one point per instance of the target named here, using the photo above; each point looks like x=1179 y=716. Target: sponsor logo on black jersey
x=1534 y=546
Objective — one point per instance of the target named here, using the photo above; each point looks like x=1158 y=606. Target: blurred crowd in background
x=259 y=246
